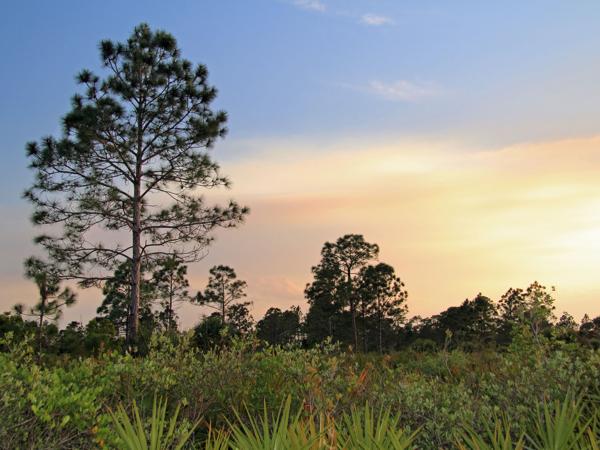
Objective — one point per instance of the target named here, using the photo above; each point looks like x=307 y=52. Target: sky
x=463 y=137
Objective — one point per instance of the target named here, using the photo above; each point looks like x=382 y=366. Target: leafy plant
x=284 y=431
x=362 y=429
x=559 y=426
x=216 y=440
x=497 y=438
x=164 y=433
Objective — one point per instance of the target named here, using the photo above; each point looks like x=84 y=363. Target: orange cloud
x=454 y=222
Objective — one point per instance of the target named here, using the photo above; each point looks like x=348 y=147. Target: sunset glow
x=472 y=175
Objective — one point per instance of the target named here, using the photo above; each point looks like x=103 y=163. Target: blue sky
x=325 y=72
x=498 y=72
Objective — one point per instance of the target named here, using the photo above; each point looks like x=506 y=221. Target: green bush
x=64 y=402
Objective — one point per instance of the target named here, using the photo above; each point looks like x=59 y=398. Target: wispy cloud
x=399 y=90
x=369 y=19
x=375 y=20
x=403 y=90
x=313 y=5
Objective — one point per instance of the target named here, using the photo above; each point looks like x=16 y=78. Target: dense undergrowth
x=447 y=399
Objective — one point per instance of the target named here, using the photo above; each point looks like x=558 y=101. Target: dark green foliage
x=239 y=320
x=71 y=340
x=210 y=333
x=16 y=326
x=280 y=327
x=100 y=336
x=382 y=305
x=480 y=323
x=589 y=331
x=471 y=323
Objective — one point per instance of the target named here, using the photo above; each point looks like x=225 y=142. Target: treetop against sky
x=462 y=139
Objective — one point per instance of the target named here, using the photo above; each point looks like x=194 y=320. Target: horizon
x=472 y=163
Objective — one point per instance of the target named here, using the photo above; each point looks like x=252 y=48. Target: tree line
x=353 y=299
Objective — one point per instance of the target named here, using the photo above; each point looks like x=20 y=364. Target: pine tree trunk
x=364 y=324
x=352 y=310
x=40 y=335
x=379 y=324
x=223 y=304
x=136 y=258
x=134 y=317
x=170 y=313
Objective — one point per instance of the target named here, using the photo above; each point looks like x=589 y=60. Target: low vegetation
x=537 y=393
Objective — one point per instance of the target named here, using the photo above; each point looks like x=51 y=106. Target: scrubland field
x=540 y=394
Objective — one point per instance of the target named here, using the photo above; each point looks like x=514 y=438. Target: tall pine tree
x=338 y=272
x=123 y=179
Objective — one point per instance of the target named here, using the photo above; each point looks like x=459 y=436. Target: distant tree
x=485 y=318
x=510 y=308
x=14 y=324
x=132 y=141
x=71 y=339
x=566 y=328
x=384 y=297
x=325 y=295
x=341 y=262
x=223 y=291
x=212 y=332
x=538 y=313
x=589 y=331
x=239 y=319
x=170 y=285
x=52 y=298
x=511 y=304
x=99 y=335
x=531 y=308
x=472 y=324
x=116 y=302
x=279 y=327
x=410 y=331
x=209 y=333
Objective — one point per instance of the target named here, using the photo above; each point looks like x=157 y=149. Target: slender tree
x=133 y=141
x=51 y=297
x=171 y=288
x=223 y=291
